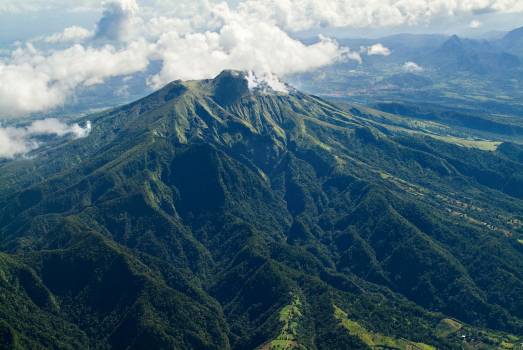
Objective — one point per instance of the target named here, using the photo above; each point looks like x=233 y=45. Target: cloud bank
x=34 y=81
x=296 y=15
x=124 y=43
x=19 y=141
x=197 y=39
x=241 y=45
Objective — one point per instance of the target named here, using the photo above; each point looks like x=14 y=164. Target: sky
x=51 y=48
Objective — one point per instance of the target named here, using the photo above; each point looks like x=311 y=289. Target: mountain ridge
x=209 y=216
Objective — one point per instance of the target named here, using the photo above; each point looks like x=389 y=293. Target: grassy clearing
x=473 y=338
x=376 y=340
x=447 y=327
x=484 y=145
x=290 y=317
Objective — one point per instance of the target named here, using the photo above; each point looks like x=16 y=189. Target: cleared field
x=289 y=316
x=447 y=327
x=376 y=340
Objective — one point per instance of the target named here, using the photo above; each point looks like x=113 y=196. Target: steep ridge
x=197 y=217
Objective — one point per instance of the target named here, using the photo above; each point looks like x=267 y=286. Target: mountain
x=513 y=42
x=473 y=56
x=223 y=214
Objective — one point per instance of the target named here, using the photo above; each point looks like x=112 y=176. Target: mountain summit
x=230 y=86
x=219 y=214
x=472 y=56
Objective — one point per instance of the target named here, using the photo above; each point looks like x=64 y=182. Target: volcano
x=227 y=214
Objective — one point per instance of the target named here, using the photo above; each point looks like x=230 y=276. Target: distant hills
x=215 y=215
x=475 y=56
x=513 y=42
x=467 y=75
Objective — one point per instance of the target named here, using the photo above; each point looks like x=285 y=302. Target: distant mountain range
x=450 y=54
x=213 y=216
x=474 y=56
x=513 y=42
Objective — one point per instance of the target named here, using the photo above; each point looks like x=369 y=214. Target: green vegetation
x=376 y=340
x=290 y=317
x=473 y=338
x=206 y=216
x=447 y=327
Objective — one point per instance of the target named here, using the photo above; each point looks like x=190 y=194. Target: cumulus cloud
x=69 y=34
x=298 y=15
x=239 y=44
x=25 y=90
x=117 y=20
x=200 y=38
x=294 y=13
x=53 y=126
x=33 y=81
x=217 y=37
x=412 y=67
x=377 y=50
x=19 y=141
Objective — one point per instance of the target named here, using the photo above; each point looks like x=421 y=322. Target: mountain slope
x=513 y=42
x=212 y=216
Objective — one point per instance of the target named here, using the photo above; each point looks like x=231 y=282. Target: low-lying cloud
x=18 y=141
x=412 y=67
x=377 y=50
x=34 y=81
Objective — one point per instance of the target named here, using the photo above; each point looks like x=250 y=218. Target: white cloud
x=412 y=67
x=19 y=141
x=117 y=20
x=298 y=15
x=377 y=50
x=25 y=90
x=240 y=43
x=265 y=83
x=354 y=56
x=200 y=46
x=33 y=81
x=475 y=24
x=53 y=126
x=69 y=34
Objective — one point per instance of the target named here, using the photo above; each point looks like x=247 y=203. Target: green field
x=289 y=317
x=376 y=340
